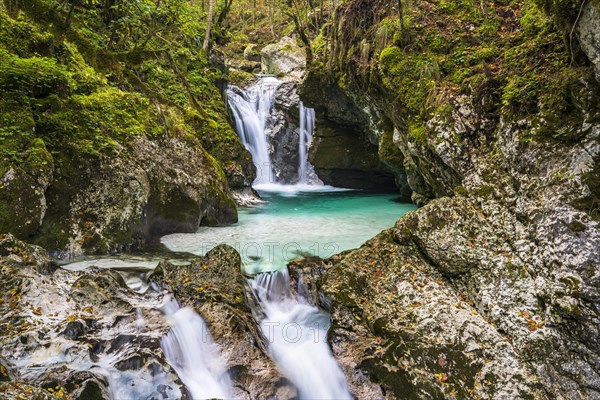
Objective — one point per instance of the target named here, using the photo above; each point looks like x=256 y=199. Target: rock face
x=283 y=58
x=57 y=323
x=494 y=279
x=352 y=145
x=22 y=192
x=588 y=33
x=284 y=133
x=398 y=324
x=145 y=191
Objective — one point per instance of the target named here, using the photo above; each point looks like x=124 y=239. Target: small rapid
x=196 y=358
x=297 y=336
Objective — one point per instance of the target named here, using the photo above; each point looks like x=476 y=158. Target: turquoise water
x=295 y=223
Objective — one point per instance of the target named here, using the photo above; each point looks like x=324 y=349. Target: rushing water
x=306 y=174
x=189 y=348
x=251 y=110
x=297 y=337
x=306 y=219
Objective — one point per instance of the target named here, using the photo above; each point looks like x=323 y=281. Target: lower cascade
x=297 y=335
x=189 y=348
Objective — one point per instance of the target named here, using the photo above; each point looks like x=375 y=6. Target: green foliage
x=511 y=59
x=35 y=76
x=411 y=76
x=87 y=80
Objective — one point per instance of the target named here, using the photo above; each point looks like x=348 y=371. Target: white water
x=189 y=348
x=297 y=337
x=306 y=173
x=251 y=109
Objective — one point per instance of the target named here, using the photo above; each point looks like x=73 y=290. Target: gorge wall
x=496 y=123
x=108 y=141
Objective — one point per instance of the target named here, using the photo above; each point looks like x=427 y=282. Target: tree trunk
x=211 y=10
x=401 y=14
x=270 y=3
x=224 y=12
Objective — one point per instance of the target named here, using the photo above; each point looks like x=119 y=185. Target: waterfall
x=189 y=348
x=253 y=113
x=297 y=337
x=251 y=109
x=307 y=124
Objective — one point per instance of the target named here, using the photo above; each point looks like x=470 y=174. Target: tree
x=209 y=21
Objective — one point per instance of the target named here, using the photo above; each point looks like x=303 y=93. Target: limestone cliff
x=500 y=138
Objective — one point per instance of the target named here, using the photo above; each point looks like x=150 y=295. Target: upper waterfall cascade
x=252 y=110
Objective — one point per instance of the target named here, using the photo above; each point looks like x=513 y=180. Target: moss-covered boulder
x=399 y=324
x=22 y=190
x=104 y=147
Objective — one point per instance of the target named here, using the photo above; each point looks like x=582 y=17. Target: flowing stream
x=305 y=219
x=297 y=337
x=189 y=348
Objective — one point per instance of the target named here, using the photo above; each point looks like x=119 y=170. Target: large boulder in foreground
x=397 y=323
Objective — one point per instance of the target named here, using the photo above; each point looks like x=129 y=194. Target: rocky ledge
x=87 y=335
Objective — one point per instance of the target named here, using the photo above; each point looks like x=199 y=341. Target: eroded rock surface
x=87 y=335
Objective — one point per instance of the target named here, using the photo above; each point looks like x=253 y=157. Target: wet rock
x=352 y=144
x=74 y=330
x=20 y=390
x=5 y=374
x=55 y=324
x=214 y=286
x=284 y=133
x=17 y=253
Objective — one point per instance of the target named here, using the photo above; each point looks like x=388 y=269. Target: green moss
x=460 y=191
x=484 y=191
x=388 y=151
x=417 y=131
x=576 y=226
x=239 y=78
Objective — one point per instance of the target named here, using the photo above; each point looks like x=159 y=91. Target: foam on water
x=297 y=337
x=189 y=348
